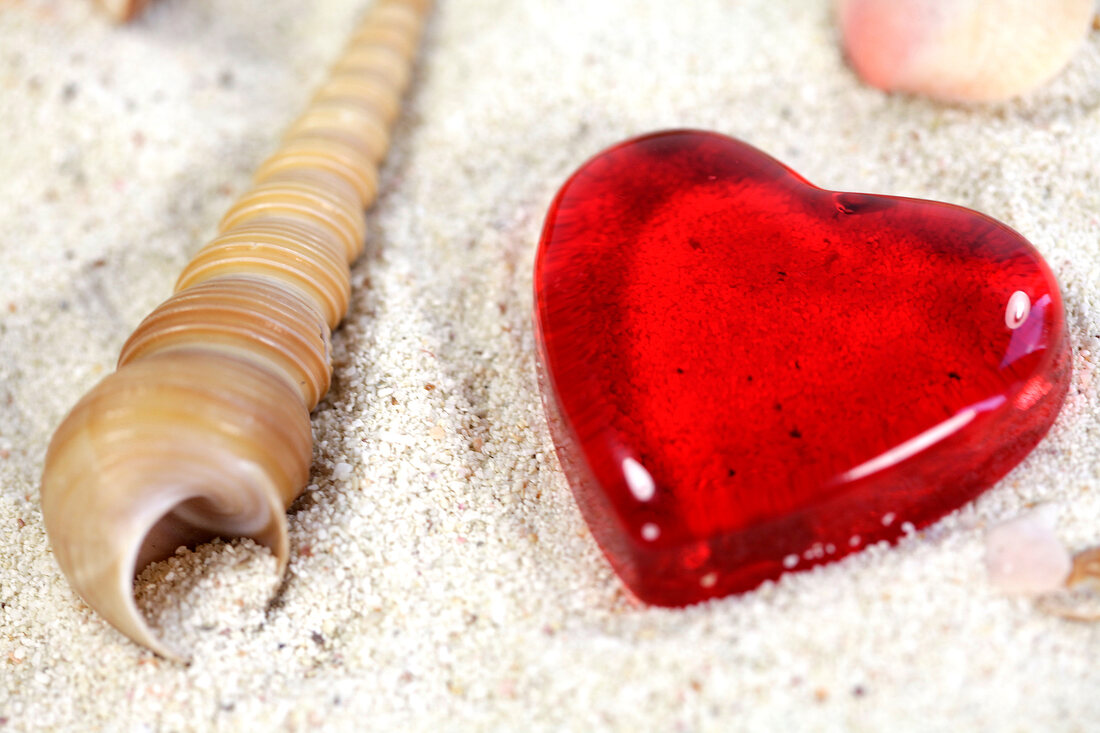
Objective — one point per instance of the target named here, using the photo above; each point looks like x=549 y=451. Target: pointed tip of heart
x=961 y=50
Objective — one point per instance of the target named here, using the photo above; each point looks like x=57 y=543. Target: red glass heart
x=745 y=374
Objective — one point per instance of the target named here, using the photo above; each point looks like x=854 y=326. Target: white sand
x=441 y=576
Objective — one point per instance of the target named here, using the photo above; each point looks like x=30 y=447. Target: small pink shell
x=1024 y=556
x=961 y=50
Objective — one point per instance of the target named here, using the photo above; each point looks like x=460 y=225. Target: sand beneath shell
x=441 y=576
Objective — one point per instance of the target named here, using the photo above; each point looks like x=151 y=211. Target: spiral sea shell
x=204 y=429
x=961 y=50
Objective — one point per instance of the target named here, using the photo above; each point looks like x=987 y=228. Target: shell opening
x=196 y=520
x=150 y=460
x=190 y=522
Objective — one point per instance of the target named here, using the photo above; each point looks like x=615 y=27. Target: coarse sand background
x=441 y=576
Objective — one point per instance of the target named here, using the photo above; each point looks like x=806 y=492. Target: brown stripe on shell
x=251 y=317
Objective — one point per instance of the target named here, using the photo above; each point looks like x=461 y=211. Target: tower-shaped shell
x=204 y=429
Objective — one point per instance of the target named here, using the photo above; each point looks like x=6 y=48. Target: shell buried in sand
x=961 y=50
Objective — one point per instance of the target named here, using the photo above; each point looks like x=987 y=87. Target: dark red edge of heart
x=726 y=553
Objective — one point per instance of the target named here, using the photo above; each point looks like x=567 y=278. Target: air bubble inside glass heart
x=745 y=374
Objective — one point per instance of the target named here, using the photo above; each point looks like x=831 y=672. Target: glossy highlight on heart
x=745 y=374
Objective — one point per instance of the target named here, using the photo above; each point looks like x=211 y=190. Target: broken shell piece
x=1024 y=556
x=1080 y=599
x=1086 y=568
x=122 y=10
x=961 y=50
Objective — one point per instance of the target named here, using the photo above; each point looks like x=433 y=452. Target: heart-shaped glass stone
x=745 y=374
